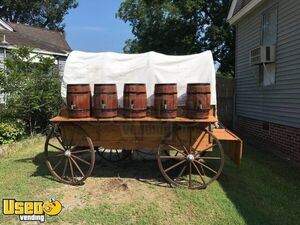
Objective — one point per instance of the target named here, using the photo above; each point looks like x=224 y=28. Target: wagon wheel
x=69 y=152
x=187 y=167
x=113 y=155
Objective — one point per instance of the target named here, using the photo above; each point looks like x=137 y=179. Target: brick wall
x=282 y=140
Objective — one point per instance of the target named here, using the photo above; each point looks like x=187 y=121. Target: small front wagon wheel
x=70 y=154
x=186 y=166
x=113 y=155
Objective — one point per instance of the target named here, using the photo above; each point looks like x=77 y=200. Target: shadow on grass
x=146 y=171
x=264 y=189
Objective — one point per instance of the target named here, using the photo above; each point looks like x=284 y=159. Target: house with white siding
x=42 y=41
x=267 y=73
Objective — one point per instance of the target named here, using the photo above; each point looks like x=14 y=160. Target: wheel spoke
x=181 y=172
x=190 y=174
x=175 y=165
x=190 y=141
x=180 y=141
x=206 y=157
x=56 y=147
x=171 y=157
x=203 y=182
x=59 y=154
x=80 y=151
x=70 y=144
x=207 y=167
x=65 y=168
x=176 y=149
x=57 y=164
x=57 y=137
x=211 y=146
x=82 y=160
x=75 y=163
x=71 y=168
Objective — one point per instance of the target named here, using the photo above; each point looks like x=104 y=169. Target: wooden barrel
x=78 y=100
x=135 y=100
x=105 y=101
x=165 y=100
x=198 y=100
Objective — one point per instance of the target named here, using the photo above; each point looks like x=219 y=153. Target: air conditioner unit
x=262 y=54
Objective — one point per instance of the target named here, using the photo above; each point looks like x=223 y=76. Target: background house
x=268 y=94
x=43 y=41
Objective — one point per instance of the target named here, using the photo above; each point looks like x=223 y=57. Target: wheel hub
x=190 y=157
x=68 y=153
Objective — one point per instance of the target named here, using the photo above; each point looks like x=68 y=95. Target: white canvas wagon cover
x=149 y=68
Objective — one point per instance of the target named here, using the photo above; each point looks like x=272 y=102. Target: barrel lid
x=104 y=84
x=191 y=84
x=134 y=84
x=78 y=84
x=162 y=84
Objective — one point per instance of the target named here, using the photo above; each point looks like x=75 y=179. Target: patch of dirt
x=114 y=191
x=125 y=191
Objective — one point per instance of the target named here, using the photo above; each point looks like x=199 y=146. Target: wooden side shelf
x=232 y=144
x=225 y=135
x=59 y=119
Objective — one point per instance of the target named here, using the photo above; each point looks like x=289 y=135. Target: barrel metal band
x=79 y=92
x=198 y=92
x=168 y=93
x=106 y=93
x=106 y=109
x=135 y=110
x=199 y=110
x=79 y=110
x=134 y=92
x=167 y=110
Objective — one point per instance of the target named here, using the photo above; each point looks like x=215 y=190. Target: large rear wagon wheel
x=184 y=166
x=70 y=154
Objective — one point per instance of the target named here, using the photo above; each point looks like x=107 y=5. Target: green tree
x=33 y=87
x=180 y=27
x=42 y=13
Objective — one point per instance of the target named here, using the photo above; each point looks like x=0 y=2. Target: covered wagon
x=188 y=142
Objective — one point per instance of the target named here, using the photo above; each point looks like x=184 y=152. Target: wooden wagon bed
x=59 y=119
x=186 y=141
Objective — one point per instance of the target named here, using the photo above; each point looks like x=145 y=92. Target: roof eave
x=231 y=11
x=37 y=50
x=5 y=25
x=233 y=19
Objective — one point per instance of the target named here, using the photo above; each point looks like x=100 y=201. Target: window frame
x=261 y=70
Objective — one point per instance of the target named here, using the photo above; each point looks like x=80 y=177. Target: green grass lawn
x=263 y=190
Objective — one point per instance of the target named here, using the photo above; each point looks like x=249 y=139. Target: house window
x=269 y=27
x=61 y=65
x=268 y=37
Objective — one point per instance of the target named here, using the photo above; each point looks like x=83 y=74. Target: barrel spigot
x=103 y=105
x=72 y=106
x=199 y=106
x=132 y=104
x=165 y=105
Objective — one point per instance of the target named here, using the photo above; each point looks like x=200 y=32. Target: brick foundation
x=282 y=140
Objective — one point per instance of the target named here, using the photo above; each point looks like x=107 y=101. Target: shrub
x=33 y=87
x=10 y=131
